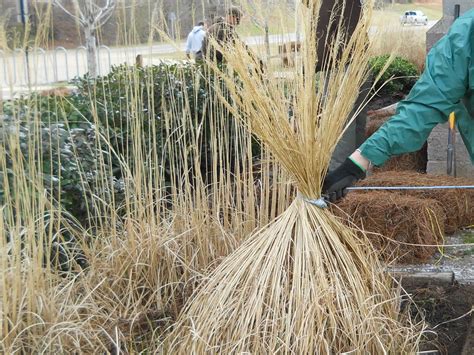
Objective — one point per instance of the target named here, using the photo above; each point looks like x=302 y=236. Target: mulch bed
x=407 y=225
x=458 y=205
x=403 y=228
x=441 y=305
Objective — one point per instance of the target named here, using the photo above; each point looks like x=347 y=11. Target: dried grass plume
x=305 y=283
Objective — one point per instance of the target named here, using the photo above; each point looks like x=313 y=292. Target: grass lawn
x=391 y=14
x=278 y=23
x=281 y=21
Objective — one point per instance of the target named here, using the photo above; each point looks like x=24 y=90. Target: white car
x=414 y=18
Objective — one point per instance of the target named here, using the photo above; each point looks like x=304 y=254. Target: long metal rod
x=363 y=188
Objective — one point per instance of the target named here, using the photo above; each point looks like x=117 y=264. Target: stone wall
x=441 y=27
x=437 y=153
x=438 y=140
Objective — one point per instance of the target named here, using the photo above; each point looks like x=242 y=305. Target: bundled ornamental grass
x=305 y=283
x=403 y=228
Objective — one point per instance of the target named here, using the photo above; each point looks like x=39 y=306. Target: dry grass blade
x=145 y=252
x=305 y=283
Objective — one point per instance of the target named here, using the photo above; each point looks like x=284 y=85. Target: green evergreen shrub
x=399 y=77
x=109 y=105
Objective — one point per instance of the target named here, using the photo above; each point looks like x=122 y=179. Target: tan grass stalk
x=404 y=42
x=305 y=283
x=146 y=255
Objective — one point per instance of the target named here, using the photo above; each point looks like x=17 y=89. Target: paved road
x=62 y=65
x=59 y=65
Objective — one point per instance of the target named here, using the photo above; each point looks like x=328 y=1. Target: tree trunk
x=92 y=54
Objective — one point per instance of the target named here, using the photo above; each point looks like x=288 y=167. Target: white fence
x=38 y=66
x=42 y=67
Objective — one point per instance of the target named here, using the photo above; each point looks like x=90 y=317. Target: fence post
x=77 y=59
x=64 y=50
x=42 y=52
x=107 y=49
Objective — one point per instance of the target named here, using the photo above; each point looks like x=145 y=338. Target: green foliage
x=399 y=77
x=156 y=87
x=129 y=105
x=48 y=109
x=146 y=96
x=67 y=159
x=68 y=153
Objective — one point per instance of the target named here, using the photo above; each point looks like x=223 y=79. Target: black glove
x=345 y=175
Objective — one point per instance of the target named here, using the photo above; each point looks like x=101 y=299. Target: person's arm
x=436 y=94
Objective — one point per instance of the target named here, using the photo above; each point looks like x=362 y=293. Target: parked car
x=414 y=18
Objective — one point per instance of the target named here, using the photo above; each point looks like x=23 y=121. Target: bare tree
x=91 y=15
x=260 y=14
x=260 y=17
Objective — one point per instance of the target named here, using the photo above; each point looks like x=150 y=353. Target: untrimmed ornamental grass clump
x=308 y=284
x=305 y=283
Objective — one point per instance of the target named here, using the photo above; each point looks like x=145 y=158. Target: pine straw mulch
x=395 y=222
x=419 y=217
x=458 y=205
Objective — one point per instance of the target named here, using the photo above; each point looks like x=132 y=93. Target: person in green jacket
x=446 y=85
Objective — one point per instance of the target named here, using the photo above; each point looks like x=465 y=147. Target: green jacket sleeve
x=436 y=94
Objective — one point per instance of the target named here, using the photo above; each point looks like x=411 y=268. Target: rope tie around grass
x=318 y=202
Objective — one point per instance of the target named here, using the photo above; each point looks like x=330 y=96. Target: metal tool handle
x=451 y=158
x=365 y=188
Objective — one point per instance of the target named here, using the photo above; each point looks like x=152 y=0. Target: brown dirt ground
x=441 y=304
x=383 y=101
